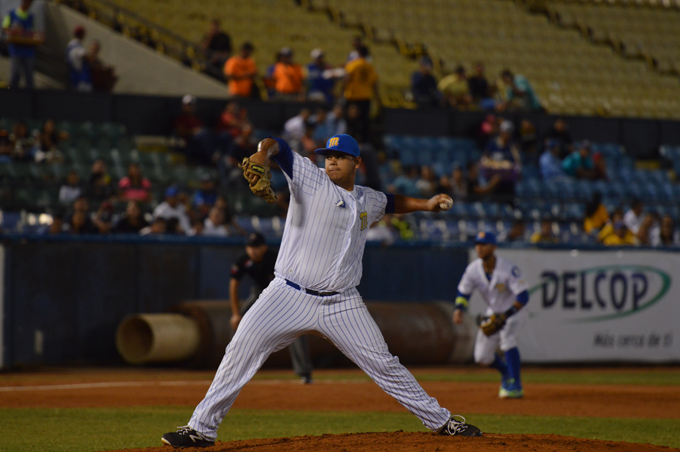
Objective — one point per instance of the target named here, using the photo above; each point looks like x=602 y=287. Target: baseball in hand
x=446 y=203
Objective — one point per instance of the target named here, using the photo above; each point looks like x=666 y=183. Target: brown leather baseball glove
x=260 y=185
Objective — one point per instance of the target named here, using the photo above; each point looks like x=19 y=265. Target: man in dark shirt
x=479 y=86
x=217 y=47
x=424 y=85
x=258 y=263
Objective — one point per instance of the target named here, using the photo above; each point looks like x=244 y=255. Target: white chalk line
x=128 y=384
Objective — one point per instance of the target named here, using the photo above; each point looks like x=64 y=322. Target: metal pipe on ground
x=197 y=333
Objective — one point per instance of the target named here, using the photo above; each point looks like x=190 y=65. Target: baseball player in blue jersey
x=500 y=284
x=314 y=289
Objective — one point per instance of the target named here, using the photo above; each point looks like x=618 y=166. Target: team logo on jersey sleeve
x=364 y=220
x=516 y=272
x=500 y=288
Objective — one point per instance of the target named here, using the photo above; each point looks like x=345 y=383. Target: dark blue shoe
x=458 y=428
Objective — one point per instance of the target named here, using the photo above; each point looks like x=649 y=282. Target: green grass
x=87 y=430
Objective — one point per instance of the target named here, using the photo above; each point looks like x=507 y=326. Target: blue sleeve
x=389 y=208
x=523 y=297
x=285 y=157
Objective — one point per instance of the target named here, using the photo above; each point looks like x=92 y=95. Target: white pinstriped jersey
x=501 y=291
x=325 y=234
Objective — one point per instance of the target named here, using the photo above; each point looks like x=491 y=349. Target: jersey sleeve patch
x=516 y=272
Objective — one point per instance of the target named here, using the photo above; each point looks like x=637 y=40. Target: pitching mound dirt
x=423 y=442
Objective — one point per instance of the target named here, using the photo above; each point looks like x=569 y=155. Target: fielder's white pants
x=505 y=339
x=283 y=313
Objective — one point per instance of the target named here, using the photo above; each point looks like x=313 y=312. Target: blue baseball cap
x=486 y=237
x=341 y=143
x=171 y=191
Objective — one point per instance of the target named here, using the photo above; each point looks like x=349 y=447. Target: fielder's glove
x=492 y=325
x=263 y=186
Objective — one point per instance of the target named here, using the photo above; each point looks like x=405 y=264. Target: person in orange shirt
x=361 y=85
x=240 y=71
x=288 y=77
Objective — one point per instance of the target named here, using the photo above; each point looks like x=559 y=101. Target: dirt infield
x=348 y=392
x=423 y=442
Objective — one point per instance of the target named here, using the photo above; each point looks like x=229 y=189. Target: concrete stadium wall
x=65 y=298
x=140 y=69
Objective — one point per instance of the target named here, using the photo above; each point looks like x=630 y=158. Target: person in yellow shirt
x=240 y=71
x=596 y=215
x=622 y=236
x=360 y=87
x=456 y=89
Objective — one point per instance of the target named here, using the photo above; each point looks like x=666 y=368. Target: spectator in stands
x=81 y=224
x=489 y=128
x=321 y=78
x=479 y=88
x=71 y=190
x=667 y=235
x=103 y=218
x=383 y=232
x=241 y=71
x=355 y=125
x=600 y=167
x=46 y=149
x=230 y=125
x=546 y=234
x=134 y=186
x=427 y=183
x=519 y=93
x=132 y=221
x=550 y=162
x=579 y=164
x=294 y=128
x=197 y=140
x=406 y=184
x=475 y=190
x=560 y=132
x=232 y=120
x=528 y=142
x=216 y=45
x=459 y=184
x=516 y=233
x=501 y=158
x=360 y=87
x=245 y=145
x=214 y=225
x=157 y=227
x=22 y=142
x=174 y=206
x=268 y=77
x=99 y=185
x=621 y=236
x=289 y=79
x=307 y=143
x=608 y=229
x=196 y=228
x=455 y=89
x=596 y=214
x=336 y=120
x=634 y=217
x=648 y=231
x=323 y=128
x=57 y=225
x=355 y=53
x=103 y=75
x=78 y=59
x=205 y=197
x=19 y=28
x=424 y=85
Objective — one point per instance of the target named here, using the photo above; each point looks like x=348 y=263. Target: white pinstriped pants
x=283 y=313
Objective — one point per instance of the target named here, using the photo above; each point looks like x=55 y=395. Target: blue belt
x=310 y=291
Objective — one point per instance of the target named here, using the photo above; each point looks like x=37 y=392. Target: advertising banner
x=598 y=305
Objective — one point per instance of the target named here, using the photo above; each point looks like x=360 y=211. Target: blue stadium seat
x=574 y=211
x=410 y=142
x=585 y=190
x=407 y=157
x=426 y=157
x=530 y=172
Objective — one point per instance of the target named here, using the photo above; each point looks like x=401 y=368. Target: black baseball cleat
x=186 y=437
x=458 y=428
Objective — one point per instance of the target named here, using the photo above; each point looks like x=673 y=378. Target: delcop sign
x=600 y=306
